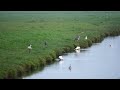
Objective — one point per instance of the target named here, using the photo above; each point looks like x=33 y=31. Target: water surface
x=100 y=61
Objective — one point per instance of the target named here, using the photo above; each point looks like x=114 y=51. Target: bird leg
x=29 y=50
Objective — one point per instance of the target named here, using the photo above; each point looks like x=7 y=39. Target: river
x=100 y=61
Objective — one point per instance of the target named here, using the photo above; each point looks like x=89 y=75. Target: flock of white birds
x=77 y=49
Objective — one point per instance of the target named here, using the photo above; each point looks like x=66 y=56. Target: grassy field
x=19 y=29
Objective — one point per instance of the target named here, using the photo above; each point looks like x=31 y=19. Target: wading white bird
x=60 y=57
x=77 y=48
x=86 y=38
x=30 y=48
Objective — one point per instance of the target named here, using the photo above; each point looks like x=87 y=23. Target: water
x=97 y=62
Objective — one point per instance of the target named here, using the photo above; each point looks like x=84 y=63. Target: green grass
x=19 y=29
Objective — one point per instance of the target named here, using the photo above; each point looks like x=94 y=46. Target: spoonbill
x=77 y=48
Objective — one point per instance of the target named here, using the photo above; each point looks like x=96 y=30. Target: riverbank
x=58 y=31
x=100 y=61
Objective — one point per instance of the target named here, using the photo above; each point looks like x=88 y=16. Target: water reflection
x=77 y=52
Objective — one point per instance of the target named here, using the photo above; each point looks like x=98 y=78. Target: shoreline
x=58 y=29
x=50 y=59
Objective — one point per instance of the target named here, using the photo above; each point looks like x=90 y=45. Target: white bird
x=86 y=37
x=60 y=57
x=30 y=47
x=77 y=48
